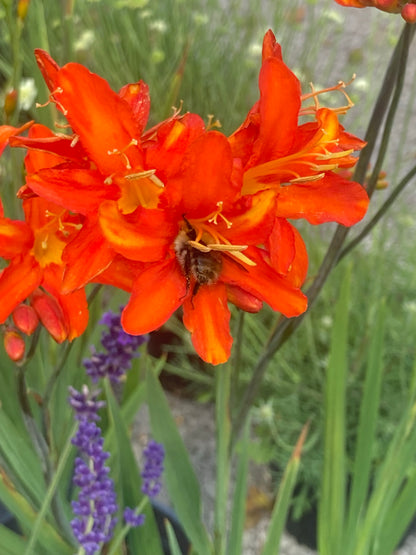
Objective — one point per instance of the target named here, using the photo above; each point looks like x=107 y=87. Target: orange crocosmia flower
x=405 y=8
x=273 y=152
x=34 y=249
x=108 y=127
x=210 y=254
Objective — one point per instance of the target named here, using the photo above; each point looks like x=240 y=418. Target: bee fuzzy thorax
x=203 y=267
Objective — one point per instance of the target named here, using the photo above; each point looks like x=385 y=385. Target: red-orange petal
x=138 y=98
x=207 y=316
x=157 y=292
x=85 y=257
x=144 y=235
x=7 y=131
x=78 y=190
x=48 y=67
x=103 y=121
x=331 y=199
x=265 y=283
x=281 y=243
x=47 y=149
x=280 y=100
x=73 y=306
x=271 y=48
x=204 y=178
x=15 y=238
x=17 y=282
x=121 y=273
x=253 y=219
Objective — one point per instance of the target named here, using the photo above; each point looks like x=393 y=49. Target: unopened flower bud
x=409 y=13
x=22 y=7
x=14 y=345
x=10 y=102
x=244 y=300
x=25 y=318
x=50 y=314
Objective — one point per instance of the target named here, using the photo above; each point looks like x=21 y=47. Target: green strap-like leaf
x=142 y=539
x=180 y=478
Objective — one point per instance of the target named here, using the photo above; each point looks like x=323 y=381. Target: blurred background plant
x=206 y=54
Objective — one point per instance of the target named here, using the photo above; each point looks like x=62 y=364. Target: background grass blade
x=180 y=478
x=332 y=502
x=366 y=437
x=284 y=497
x=142 y=539
x=238 y=514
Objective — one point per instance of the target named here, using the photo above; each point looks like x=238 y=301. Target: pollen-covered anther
x=307 y=178
x=331 y=155
x=74 y=141
x=147 y=174
x=233 y=250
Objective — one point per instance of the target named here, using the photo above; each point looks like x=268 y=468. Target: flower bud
x=409 y=13
x=10 y=102
x=25 y=319
x=244 y=300
x=14 y=345
x=22 y=7
x=50 y=314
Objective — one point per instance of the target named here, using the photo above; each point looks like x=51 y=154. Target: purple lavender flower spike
x=154 y=455
x=120 y=347
x=96 y=506
x=131 y=518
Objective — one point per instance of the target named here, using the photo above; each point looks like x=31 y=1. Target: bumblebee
x=204 y=267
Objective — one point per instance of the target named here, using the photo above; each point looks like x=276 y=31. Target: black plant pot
x=163 y=513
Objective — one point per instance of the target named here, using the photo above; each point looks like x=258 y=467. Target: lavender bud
x=154 y=455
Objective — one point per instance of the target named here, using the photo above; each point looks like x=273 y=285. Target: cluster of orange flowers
x=407 y=8
x=176 y=215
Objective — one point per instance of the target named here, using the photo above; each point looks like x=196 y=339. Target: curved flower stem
x=393 y=80
x=405 y=41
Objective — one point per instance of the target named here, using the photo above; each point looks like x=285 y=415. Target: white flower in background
x=27 y=93
x=326 y=321
x=85 y=41
x=361 y=84
x=254 y=49
x=334 y=16
x=158 y=25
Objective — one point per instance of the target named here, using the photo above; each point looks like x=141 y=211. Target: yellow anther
x=307 y=178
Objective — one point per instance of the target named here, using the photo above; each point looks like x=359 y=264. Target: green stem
x=223 y=429
x=287 y=326
x=404 y=45
x=51 y=493
x=41 y=447
x=379 y=214
x=118 y=539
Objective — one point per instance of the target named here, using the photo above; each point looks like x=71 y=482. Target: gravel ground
x=196 y=425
